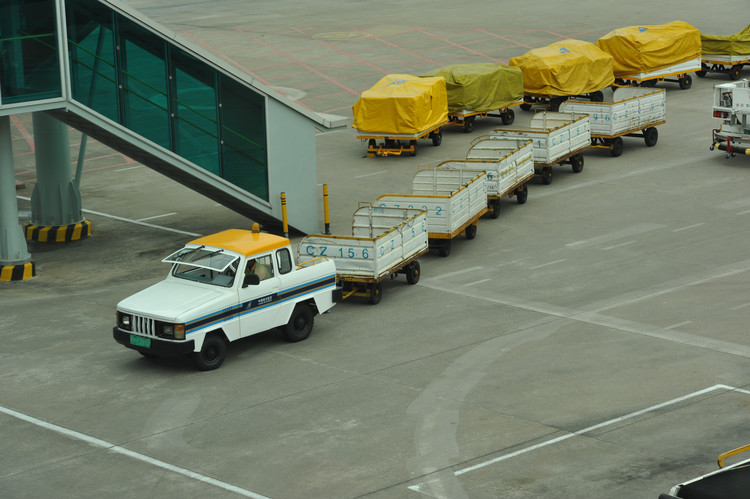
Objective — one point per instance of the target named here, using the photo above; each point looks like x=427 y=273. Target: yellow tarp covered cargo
x=568 y=67
x=481 y=87
x=643 y=49
x=736 y=44
x=401 y=104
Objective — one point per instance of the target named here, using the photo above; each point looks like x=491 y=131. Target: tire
x=468 y=124
x=617 y=147
x=445 y=248
x=413 y=143
x=686 y=82
x=413 y=271
x=651 y=136
x=554 y=103
x=437 y=138
x=525 y=106
x=212 y=354
x=371 y=143
x=597 y=96
x=577 y=163
x=471 y=231
x=522 y=194
x=494 y=208
x=547 y=175
x=734 y=72
x=376 y=293
x=701 y=73
x=300 y=323
x=509 y=116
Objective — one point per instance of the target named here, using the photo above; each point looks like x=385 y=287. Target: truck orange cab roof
x=244 y=242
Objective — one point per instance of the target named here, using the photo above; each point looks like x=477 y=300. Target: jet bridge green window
x=146 y=83
x=29 y=59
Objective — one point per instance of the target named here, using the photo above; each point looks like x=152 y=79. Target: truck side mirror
x=250 y=280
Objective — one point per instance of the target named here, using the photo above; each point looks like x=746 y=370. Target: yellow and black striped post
x=325 y=210
x=57 y=233
x=18 y=272
x=283 y=214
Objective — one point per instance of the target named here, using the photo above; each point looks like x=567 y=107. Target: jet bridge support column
x=15 y=260
x=56 y=214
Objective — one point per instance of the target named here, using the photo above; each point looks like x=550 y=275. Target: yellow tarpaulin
x=647 y=48
x=568 y=67
x=481 y=87
x=736 y=44
x=401 y=104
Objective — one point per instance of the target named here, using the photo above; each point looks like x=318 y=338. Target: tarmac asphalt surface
x=589 y=343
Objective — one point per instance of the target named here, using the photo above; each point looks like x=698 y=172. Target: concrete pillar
x=15 y=260
x=56 y=214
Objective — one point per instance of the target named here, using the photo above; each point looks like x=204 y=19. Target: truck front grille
x=144 y=325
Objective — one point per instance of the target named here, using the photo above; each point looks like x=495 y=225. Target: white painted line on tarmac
x=740 y=306
x=679 y=324
x=129 y=168
x=125 y=452
x=547 y=264
x=477 y=282
x=457 y=272
x=619 y=234
x=619 y=245
x=599 y=426
x=157 y=216
x=744 y=212
x=689 y=227
x=372 y=174
x=129 y=220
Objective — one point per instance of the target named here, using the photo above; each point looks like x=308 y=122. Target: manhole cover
x=341 y=35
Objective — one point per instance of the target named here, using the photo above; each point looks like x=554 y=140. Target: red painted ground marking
x=310 y=68
x=445 y=40
x=24 y=132
x=390 y=44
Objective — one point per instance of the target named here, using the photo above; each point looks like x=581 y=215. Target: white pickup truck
x=224 y=287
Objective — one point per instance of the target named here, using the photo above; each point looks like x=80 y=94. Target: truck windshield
x=209 y=266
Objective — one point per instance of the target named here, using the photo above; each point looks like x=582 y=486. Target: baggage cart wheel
x=577 y=163
x=651 y=136
x=734 y=72
x=547 y=175
x=597 y=96
x=616 y=147
x=509 y=116
x=494 y=207
x=212 y=353
x=445 y=248
x=521 y=194
x=413 y=271
x=686 y=82
x=701 y=73
x=413 y=144
x=376 y=293
x=471 y=231
x=371 y=143
x=525 y=106
x=300 y=323
x=437 y=138
x=468 y=125
x=554 y=103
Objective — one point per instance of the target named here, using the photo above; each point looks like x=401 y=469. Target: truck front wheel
x=300 y=323
x=212 y=353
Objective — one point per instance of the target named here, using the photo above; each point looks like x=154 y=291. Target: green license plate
x=140 y=341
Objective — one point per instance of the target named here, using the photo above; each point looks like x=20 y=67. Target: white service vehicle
x=732 y=106
x=224 y=287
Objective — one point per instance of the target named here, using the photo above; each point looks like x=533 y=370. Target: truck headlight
x=124 y=321
x=176 y=331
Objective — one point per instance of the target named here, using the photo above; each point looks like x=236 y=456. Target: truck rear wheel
x=212 y=354
x=300 y=323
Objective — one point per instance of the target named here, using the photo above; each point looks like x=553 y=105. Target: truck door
x=259 y=302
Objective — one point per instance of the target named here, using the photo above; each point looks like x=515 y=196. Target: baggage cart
x=625 y=112
x=727 y=482
x=557 y=138
x=465 y=118
x=454 y=201
x=509 y=164
x=396 y=144
x=385 y=242
x=718 y=63
x=677 y=73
